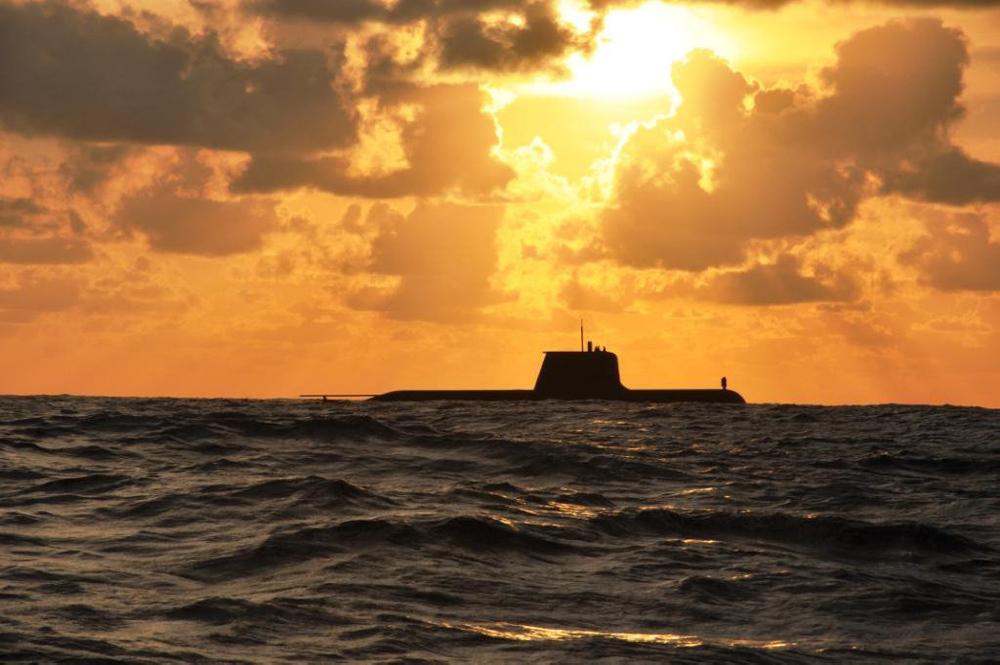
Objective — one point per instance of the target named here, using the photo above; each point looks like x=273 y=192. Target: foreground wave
x=239 y=531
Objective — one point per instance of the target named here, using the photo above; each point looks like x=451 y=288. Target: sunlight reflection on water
x=528 y=633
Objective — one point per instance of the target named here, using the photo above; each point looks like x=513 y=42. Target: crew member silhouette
x=724 y=383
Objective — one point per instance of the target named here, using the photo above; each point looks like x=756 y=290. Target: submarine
x=590 y=374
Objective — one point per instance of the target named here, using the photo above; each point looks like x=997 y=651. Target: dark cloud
x=788 y=162
x=411 y=10
x=496 y=35
x=88 y=166
x=779 y=283
x=894 y=86
x=447 y=146
x=604 y=5
x=51 y=250
x=14 y=211
x=349 y=12
x=352 y=219
x=469 y=42
x=464 y=36
x=957 y=255
x=88 y=76
x=386 y=72
x=444 y=256
x=896 y=95
x=896 y=92
x=947 y=176
x=353 y=12
x=32 y=234
x=190 y=225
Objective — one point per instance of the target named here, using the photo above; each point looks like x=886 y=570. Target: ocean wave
x=95 y=483
x=845 y=536
x=160 y=530
x=312 y=492
x=16 y=540
x=713 y=589
x=196 y=426
x=220 y=611
x=307 y=488
x=116 y=421
x=145 y=508
x=527 y=458
x=20 y=474
x=479 y=534
x=470 y=533
x=290 y=547
x=19 y=519
x=343 y=427
x=88 y=617
x=219 y=465
x=933 y=465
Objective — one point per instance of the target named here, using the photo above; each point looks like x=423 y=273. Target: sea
x=280 y=531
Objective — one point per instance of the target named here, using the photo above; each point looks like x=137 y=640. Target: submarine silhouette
x=568 y=375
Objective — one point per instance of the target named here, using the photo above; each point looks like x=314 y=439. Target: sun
x=635 y=51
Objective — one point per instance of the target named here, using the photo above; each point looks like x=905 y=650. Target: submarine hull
x=626 y=395
x=571 y=375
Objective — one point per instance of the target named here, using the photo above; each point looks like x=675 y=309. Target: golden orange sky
x=259 y=198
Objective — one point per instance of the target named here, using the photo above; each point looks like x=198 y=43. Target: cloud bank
x=88 y=76
x=740 y=163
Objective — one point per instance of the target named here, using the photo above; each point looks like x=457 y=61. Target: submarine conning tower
x=591 y=374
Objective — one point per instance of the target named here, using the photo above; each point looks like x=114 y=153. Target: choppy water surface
x=171 y=530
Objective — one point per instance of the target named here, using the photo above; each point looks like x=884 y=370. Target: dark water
x=212 y=531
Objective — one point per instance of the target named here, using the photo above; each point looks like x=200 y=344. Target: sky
x=262 y=198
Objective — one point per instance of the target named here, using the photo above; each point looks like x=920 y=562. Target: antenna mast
x=581 y=335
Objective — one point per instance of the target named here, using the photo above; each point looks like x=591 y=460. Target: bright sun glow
x=635 y=51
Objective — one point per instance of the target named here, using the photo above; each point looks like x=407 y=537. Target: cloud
x=694 y=203
x=580 y=297
x=83 y=75
x=33 y=234
x=893 y=86
x=779 y=283
x=34 y=295
x=444 y=255
x=349 y=12
x=740 y=162
x=353 y=12
x=51 y=250
x=447 y=146
x=490 y=35
x=91 y=165
x=896 y=90
x=947 y=176
x=767 y=5
x=14 y=211
x=470 y=42
x=194 y=225
x=957 y=255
